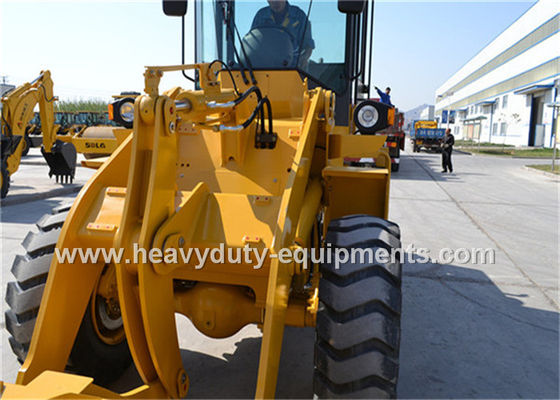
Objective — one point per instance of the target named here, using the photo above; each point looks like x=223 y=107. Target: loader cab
x=327 y=42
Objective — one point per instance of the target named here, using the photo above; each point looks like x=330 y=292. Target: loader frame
x=148 y=195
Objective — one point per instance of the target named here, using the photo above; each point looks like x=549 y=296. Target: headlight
x=371 y=116
x=368 y=116
x=122 y=111
x=127 y=111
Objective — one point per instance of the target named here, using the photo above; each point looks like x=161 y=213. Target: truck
x=395 y=140
x=426 y=134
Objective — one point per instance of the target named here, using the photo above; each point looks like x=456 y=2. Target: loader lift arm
x=17 y=111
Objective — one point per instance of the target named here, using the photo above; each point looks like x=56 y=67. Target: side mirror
x=351 y=6
x=175 y=8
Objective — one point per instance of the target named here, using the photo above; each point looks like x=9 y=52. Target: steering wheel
x=269 y=47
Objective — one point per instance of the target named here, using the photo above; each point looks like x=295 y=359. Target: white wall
x=541 y=12
x=427 y=113
x=518 y=112
x=517 y=116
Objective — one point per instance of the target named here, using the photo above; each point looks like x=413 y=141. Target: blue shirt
x=385 y=98
x=292 y=19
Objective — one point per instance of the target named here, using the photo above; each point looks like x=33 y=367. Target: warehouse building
x=4 y=87
x=502 y=94
x=427 y=113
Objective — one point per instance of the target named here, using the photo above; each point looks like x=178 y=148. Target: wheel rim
x=106 y=313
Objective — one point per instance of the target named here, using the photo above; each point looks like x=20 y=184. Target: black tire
x=394 y=167
x=5 y=180
x=90 y=356
x=358 y=322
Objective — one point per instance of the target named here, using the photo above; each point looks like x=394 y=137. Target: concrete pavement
x=468 y=331
x=479 y=331
x=31 y=181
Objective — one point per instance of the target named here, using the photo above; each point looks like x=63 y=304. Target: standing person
x=385 y=97
x=446 y=150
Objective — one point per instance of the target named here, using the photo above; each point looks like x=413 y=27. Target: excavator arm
x=17 y=111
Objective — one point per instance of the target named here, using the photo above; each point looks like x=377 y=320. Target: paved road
x=31 y=180
x=469 y=331
x=479 y=331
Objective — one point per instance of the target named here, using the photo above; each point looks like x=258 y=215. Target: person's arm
x=304 y=56
x=308 y=42
x=257 y=19
x=379 y=92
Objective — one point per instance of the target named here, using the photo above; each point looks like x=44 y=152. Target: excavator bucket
x=62 y=161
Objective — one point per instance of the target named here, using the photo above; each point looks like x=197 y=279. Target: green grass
x=512 y=152
x=546 y=167
x=94 y=105
x=472 y=143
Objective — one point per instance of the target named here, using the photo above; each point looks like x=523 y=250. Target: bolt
x=183 y=378
x=181 y=241
x=172 y=127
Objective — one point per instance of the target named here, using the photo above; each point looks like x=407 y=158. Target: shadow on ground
x=427 y=167
x=462 y=337
x=31 y=214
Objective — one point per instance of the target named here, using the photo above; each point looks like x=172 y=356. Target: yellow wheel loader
x=250 y=161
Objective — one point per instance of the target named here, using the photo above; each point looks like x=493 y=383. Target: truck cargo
x=395 y=141
x=426 y=134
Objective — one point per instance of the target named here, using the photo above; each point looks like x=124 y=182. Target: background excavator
x=17 y=111
x=61 y=135
x=253 y=159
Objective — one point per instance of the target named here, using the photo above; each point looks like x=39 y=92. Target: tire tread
x=358 y=322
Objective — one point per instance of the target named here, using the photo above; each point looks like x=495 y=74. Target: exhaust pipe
x=62 y=161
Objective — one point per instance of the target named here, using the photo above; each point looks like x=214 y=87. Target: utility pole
x=555 y=106
x=491 y=121
x=479 y=133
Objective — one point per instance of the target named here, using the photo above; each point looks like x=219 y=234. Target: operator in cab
x=293 y=20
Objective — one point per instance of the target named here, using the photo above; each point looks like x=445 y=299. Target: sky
x=420 y=45
x=98 y=48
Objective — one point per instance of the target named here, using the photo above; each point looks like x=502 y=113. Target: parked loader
x=253 y=158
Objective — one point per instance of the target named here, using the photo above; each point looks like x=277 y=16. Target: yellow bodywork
x=96 y=139
x=425 y=124
x=17 y=111
x=190 y=177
